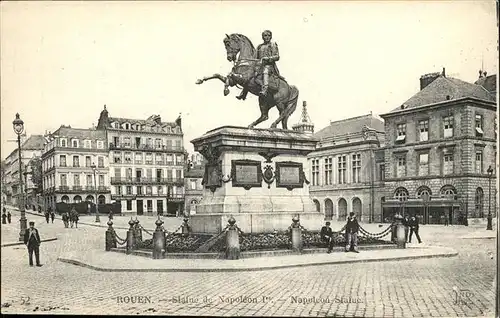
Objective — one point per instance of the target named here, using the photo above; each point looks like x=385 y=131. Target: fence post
x=130 y=236
x=158 y=239
x=138 y=231
x=185 y=227
x=296 y=235
x=232 y=240
x=400 y=231
x=110 y=236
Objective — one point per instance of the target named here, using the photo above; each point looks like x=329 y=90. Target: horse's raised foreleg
x=223 y=79
x=264 y=113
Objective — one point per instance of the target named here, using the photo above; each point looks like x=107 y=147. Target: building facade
x=67 y=165
x=346 y=169
x=439 y=146
x=146 y=164
x=193 y=177
x=30 y=147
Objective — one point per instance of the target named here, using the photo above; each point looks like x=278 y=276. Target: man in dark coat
x=4 y=218
x=9 y=217
x=352 y=229
x=406 y=223
x=32 y=241
x=414 y=229
x=327 y=236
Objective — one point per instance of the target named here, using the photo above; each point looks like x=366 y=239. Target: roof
x=139 y=121
x=443 y=89
x=488 y=82
x=350 y=125
x=34 y=142
x=80 y=133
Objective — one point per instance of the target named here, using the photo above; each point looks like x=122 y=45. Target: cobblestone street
x=397 y=288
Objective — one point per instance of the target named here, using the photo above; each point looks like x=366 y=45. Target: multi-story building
x=440 y=144
x=67 y=165
x=146 y=163
x=193 y=177
x=30 y=148
x=346 y=169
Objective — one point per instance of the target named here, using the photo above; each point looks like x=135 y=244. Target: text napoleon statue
x=256 y=72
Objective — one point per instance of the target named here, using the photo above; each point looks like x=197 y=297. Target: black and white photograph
x=249 y=158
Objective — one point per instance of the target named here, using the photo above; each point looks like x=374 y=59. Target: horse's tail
x=292 y=101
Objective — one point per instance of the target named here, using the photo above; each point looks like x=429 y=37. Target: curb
x=21 y=243
x=250 y=269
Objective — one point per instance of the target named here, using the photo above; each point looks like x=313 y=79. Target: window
x=149 y=173
x=88 y=162
x=382 y=172
x=423 y=191
x=423 y=128
x=100 y=144
x=127 y=126
x=62 y=160
x=126 y=141
x=479 y=125
x=129 y=205
x=159 y=190
x=159 y=158
x=129 y=189
x=128 y=157
x=169 y=174
x=75 y=143
x=149 y=158
x=64 y=182
x=169 y=158
x=193 y=184
x=87 y=144
x=63 y=142
x=180 y=159
x=479 y=203
x=315 y=172
x=178 y=174
x=401 y=194
x=356 y=168
x=118 y=189
x=342 y=167
x=101 y=180
x=139 y=189
x=100 y=162
x=401 y=133
x=328 y=171
x=479 y=162
x=423 y=164
x=76 y=180
x=116 y=141
x=149 y=190
x=76 y=161
x=169 y=144
x=89 y=180
x=401 y=166
x=448 y=127
x=149 y=143
x=117 y=157
x=158 y=143
x=448 y=192
x=447 y=162
x=138 y=157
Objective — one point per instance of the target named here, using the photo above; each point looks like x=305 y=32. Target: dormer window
x=87 y=144
x=127 y=126
x=479 y=125
x=401 y=133
x=74 y=143
x=63 y=142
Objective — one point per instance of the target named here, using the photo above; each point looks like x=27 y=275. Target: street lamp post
x=93 y=166
x=18 y=126
x=490 y=173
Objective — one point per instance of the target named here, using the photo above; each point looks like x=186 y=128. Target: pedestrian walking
x=47 y=216
x=9 y=217
x=446 y=220
x=65 y=219
x=406 y=223
x=52 y=216
x=39 y=209
x=414 y=229
x=77 y=217
x=327 y=236
x=352 y=229
x=4 y=218
x=72 y=217
x=32 y=241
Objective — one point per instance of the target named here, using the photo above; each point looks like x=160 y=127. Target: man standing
x=406 y=222
x=32 y=241
x=4 y=218
x=327 y=236
x=352 y=229
x=9 y=217
x=52 y=216
x=268 y=55
x=414 y=229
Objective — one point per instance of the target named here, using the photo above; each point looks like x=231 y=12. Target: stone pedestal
x=258 y=176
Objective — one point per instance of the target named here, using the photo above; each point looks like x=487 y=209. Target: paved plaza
x=406 y=288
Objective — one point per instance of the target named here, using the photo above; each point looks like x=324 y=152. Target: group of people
x=70 y=218
x=411 y=225
x=50 y=214
x=6 y=216
x=351 y=232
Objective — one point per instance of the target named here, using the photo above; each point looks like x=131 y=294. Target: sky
x=62 y=61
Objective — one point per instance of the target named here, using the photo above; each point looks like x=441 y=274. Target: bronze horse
x=245 y=73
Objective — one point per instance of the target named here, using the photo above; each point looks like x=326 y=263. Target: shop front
x=432 y=211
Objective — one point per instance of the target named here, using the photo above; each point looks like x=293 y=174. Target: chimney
x=426 y=79
x=158 y=119
x=444 y=72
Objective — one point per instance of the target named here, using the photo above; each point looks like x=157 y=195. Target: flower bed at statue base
x=178 y=243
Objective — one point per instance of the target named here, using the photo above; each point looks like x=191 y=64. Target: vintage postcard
x=223 y=158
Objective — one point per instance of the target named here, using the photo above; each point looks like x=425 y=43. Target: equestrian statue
x=255 y=71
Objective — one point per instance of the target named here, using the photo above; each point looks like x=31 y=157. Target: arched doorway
x=77 y=199
x=317 y=205
x=328 y=209
x=101 y=199
x=65 y=199
x=342 y=209
x=357 y=208
x=90 y=198
x=192 y=207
